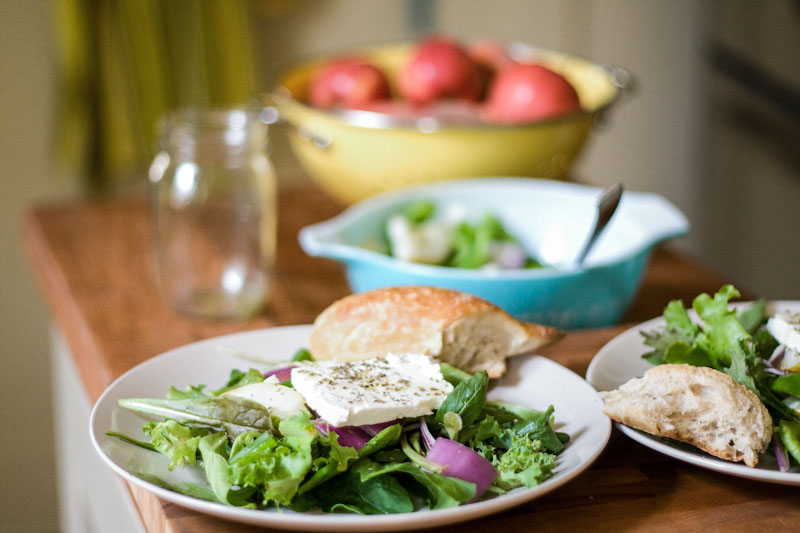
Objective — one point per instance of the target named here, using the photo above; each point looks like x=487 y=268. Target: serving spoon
x=606 y=205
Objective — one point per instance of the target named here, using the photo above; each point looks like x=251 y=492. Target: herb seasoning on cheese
x=372 y=391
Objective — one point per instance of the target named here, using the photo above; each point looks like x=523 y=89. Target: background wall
x=27 y=106
x=686 y=132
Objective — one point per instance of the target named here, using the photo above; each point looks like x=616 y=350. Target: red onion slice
x=348 y=436
x=374 y=429
x=427 y=436
x=780 y=454
x=463 y=463
x=283 y=373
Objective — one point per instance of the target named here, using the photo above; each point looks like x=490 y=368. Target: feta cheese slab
x=280 y=400
x=785 y=327
x=373 y=390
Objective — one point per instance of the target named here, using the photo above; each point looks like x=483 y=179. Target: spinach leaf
x=682 y=353
x=788 y=384
x=376 y=495
x=239 y=379
x=753 y=316
x=302 y=355
x=466 y=400
x=387 y=437
x=453 y=375
x=537 y=428
x=443 y=491
x=505 y=412
x=183 y=487
x=789 y=433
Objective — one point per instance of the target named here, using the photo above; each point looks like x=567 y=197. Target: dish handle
x=271 y=115
x=658 y=219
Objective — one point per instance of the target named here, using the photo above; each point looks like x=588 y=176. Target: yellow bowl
x=355 y=154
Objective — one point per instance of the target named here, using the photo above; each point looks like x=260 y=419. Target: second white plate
x=621 y=360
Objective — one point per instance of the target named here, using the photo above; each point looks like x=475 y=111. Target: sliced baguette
x=698 y=405
x=463 y=330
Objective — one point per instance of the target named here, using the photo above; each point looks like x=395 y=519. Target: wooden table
x=94 y=265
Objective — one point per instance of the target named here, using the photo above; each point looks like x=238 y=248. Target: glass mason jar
x=214 y=213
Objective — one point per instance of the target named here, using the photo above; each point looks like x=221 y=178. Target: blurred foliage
x=125 y=63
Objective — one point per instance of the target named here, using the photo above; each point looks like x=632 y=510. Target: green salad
x=256 y=456
x=420 y=234
x=757 y=350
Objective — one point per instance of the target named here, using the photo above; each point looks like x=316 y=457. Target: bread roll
x=463 y=330
x=698 y=405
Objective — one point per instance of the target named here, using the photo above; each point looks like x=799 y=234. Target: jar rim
x=236 y=126
x=229 y=118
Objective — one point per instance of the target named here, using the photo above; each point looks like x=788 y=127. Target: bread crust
x=456 y=327
x=697 y=405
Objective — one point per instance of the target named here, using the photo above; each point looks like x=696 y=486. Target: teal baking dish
x=550 y=218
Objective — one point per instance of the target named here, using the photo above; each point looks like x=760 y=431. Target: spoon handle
x=607 y=204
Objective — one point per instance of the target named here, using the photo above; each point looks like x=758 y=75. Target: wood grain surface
x=94 y=265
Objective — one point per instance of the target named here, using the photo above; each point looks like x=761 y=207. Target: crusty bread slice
x=698 y=405
x=463 y=330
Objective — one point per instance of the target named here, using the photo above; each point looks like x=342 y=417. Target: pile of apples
x=481 y=79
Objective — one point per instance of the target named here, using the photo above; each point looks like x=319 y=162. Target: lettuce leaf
x=176 y=441
x=525 y=464
x=215 y=464
x=722 y=334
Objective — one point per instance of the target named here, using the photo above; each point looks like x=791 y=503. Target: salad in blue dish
x=420 y=233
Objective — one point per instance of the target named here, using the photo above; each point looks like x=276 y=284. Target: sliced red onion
x=348 y=436
x=508 y=255
x=780 y=454
x=463 y=463
x=777 y=355
x=773 y=370
x=283 y=373
x=374 y=429
x=427 y=436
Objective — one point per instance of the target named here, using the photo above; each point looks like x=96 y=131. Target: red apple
x=440 y=68
x=350 y=83
x=525 y=92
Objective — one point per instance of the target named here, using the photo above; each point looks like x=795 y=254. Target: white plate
x=532 y=381
x=621 y=360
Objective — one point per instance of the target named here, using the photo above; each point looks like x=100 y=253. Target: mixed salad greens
x=419 y=234
x=468 y=449
x=736 y=342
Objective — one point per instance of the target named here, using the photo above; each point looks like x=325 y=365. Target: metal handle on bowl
x=271 y=114
x=620 y=77
x=320 y=138
x=622 y=80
